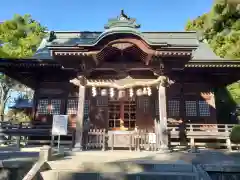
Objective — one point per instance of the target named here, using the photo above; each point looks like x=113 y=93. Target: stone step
x=129 y=166
x=68 y=175
x=154 y=166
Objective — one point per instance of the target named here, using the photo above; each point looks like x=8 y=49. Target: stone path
x=98 y=157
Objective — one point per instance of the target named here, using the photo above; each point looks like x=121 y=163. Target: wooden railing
x=204 y=135
x=200 y=135
x=22 y=135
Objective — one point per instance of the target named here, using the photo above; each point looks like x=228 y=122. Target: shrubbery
x=235 y=134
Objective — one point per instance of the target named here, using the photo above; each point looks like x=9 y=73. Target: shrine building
x=122 y=79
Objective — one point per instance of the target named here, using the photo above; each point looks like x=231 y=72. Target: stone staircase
x=126 y=170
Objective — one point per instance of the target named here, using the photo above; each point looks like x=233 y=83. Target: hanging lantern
x=144 y=91
x=149 y=91
x=131 y=92
x=103 y=92
x=111 y=92
x=94 y=91
x=139 y=92
x=121 y=93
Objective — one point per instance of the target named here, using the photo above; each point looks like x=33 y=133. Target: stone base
x=77 y=147
x=164 y=149
x=194 y=150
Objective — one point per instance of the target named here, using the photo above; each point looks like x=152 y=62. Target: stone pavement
x=141 y=165
x=77 y=160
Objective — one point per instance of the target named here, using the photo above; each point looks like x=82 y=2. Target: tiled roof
x=204 y=52
x=123 y=24
x=66 y=39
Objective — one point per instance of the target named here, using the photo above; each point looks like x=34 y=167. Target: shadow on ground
x=116 y=170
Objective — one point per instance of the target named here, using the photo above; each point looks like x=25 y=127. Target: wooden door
x=122 y=115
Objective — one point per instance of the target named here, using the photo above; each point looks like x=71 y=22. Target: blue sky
x=91 y=15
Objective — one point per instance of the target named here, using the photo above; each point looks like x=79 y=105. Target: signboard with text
x=60 y=125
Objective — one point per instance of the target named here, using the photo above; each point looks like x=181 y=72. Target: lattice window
x=102 y=100
x=86 y=107
x=42 y=107
x=204 y=109
x=191 y=108
x=157 y=107
x=173 y=108
x=143 y=103
x=55 y=106
x=72 y=106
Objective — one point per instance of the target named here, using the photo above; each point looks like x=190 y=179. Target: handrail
x=99 y=137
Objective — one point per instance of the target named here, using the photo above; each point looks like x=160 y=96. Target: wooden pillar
x=155 y=117
x=35 y=104
x=80 y=115
x=182 y=102
x=162 y=117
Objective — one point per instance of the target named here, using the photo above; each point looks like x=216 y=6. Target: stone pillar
x=162 y=117
x=80 y=115
x=154 y=107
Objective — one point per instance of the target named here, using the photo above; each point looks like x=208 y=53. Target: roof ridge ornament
x=122 y=21
x=123 y=16
x=51 y=36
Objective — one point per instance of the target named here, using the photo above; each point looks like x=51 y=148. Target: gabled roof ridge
x=72 y=31
x=77 y=31
x=169 y=32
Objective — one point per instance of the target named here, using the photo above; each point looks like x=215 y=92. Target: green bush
x=235 y=134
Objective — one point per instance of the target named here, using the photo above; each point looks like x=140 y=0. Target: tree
x=235 y=135
x=19 y=38
x=20 y=113
x=6 y=86
x=221 y=29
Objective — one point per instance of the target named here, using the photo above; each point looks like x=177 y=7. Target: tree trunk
x=1 y=112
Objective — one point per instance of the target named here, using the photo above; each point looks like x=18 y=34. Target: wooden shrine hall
x=123 y=79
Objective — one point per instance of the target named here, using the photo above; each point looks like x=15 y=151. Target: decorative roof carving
x=51 y=36
x=122 y=46
x=122 y=21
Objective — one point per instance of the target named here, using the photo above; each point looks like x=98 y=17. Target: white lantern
x=94 y=91
x=121 y=93
x=103 y=92
x=131 y=92
x=111 y=92
x=144 y=91
x=149 y=91
x=139 y=92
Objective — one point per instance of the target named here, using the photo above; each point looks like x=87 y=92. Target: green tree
x=20 y=114
x=7 y=85
x=19 y=38
x=235 y=135
x=221 y=29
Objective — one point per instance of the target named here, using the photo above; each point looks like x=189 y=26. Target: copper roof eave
x=62 y=47
x=28 y=63
x=213 y=63
x=154 y=53
x=75 y=53
x=193 y=65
